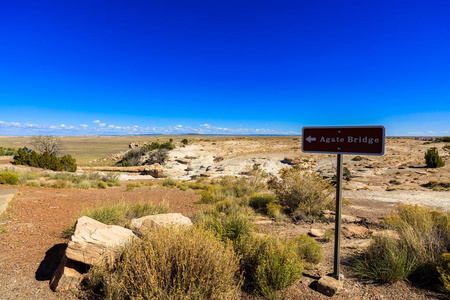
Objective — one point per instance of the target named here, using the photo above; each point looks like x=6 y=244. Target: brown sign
x=365 y=140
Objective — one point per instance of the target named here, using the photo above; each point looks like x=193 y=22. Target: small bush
x=329 y=235
x=184 y=141
x=33 y=184
x=231 y=226
x=260 y=201
x=174 y=264
x=424 y=235
x=444 y=271
x=432 y=158
x=444 y=139
x=306 y=193
x=62 y=184
x=436 y=185
x=273 y=210
x=7 y=151
x=269 y=264
x=9 y=178
x=446 y=148
x=358 y=158
x=386 y=260
x=131 y=186
x=395 y=182
x=309 y=249
x=84 y=185
x=169 y=182
x=102 y=185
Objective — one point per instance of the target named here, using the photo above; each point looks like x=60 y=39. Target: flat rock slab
x=5 y=197
x=94 y=242
x=151 y=222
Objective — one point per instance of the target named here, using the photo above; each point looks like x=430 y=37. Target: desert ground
x=31 y=226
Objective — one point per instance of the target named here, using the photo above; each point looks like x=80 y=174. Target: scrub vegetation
x=417 y=254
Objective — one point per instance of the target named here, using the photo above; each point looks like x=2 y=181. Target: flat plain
x=33 y=223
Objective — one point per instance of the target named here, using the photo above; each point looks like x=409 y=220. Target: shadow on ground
x=51 y=262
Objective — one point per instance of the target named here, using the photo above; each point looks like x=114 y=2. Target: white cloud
x=83 y=129
x=96 y=121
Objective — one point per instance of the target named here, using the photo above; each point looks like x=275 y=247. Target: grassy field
x=87 y=148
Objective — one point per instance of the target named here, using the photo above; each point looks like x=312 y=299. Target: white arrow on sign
x=311 y=139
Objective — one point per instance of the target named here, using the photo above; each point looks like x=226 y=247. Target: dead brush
x=171 y=263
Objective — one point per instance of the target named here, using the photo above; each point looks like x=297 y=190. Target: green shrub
x=231 y=226
x=385 y=260
x=224 y=206
x=62 y=184
x=7 y=151
x=426 y=233
x=169 y=182
x=432 y=158
x=269 y=264
x=260 y=201
x=395 y=182
x=273 y=209
x=184 y=141
x=302 y=192
x=309 y=249
x=444 y=271
x=9 y=178
x=444 y=139
x=173 y=264
x=84 y=185
x=329 y=235
x=423 y=236
x=101 y=184
x=33 y=184
x=436 y=185
x=131 y=186
x=45 y=161
x=358 y=158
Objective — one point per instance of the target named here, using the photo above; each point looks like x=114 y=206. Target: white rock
x=94 y=242
x=151 y=222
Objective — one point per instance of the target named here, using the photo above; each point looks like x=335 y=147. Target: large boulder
x=151 y=222
x=94 y=242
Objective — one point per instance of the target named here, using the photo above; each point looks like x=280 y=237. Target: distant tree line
x=7 y=151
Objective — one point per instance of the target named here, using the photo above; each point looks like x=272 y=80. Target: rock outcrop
x=147 y=223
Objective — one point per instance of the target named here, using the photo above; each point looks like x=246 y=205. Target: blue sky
x=225 y=67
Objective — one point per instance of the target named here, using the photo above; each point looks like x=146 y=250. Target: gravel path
x=439 y=200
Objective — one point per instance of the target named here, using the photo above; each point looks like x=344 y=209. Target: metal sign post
x=340 y=140
x=338 y=219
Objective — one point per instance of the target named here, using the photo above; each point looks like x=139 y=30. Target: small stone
x=329 y=286
x=315 y=232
